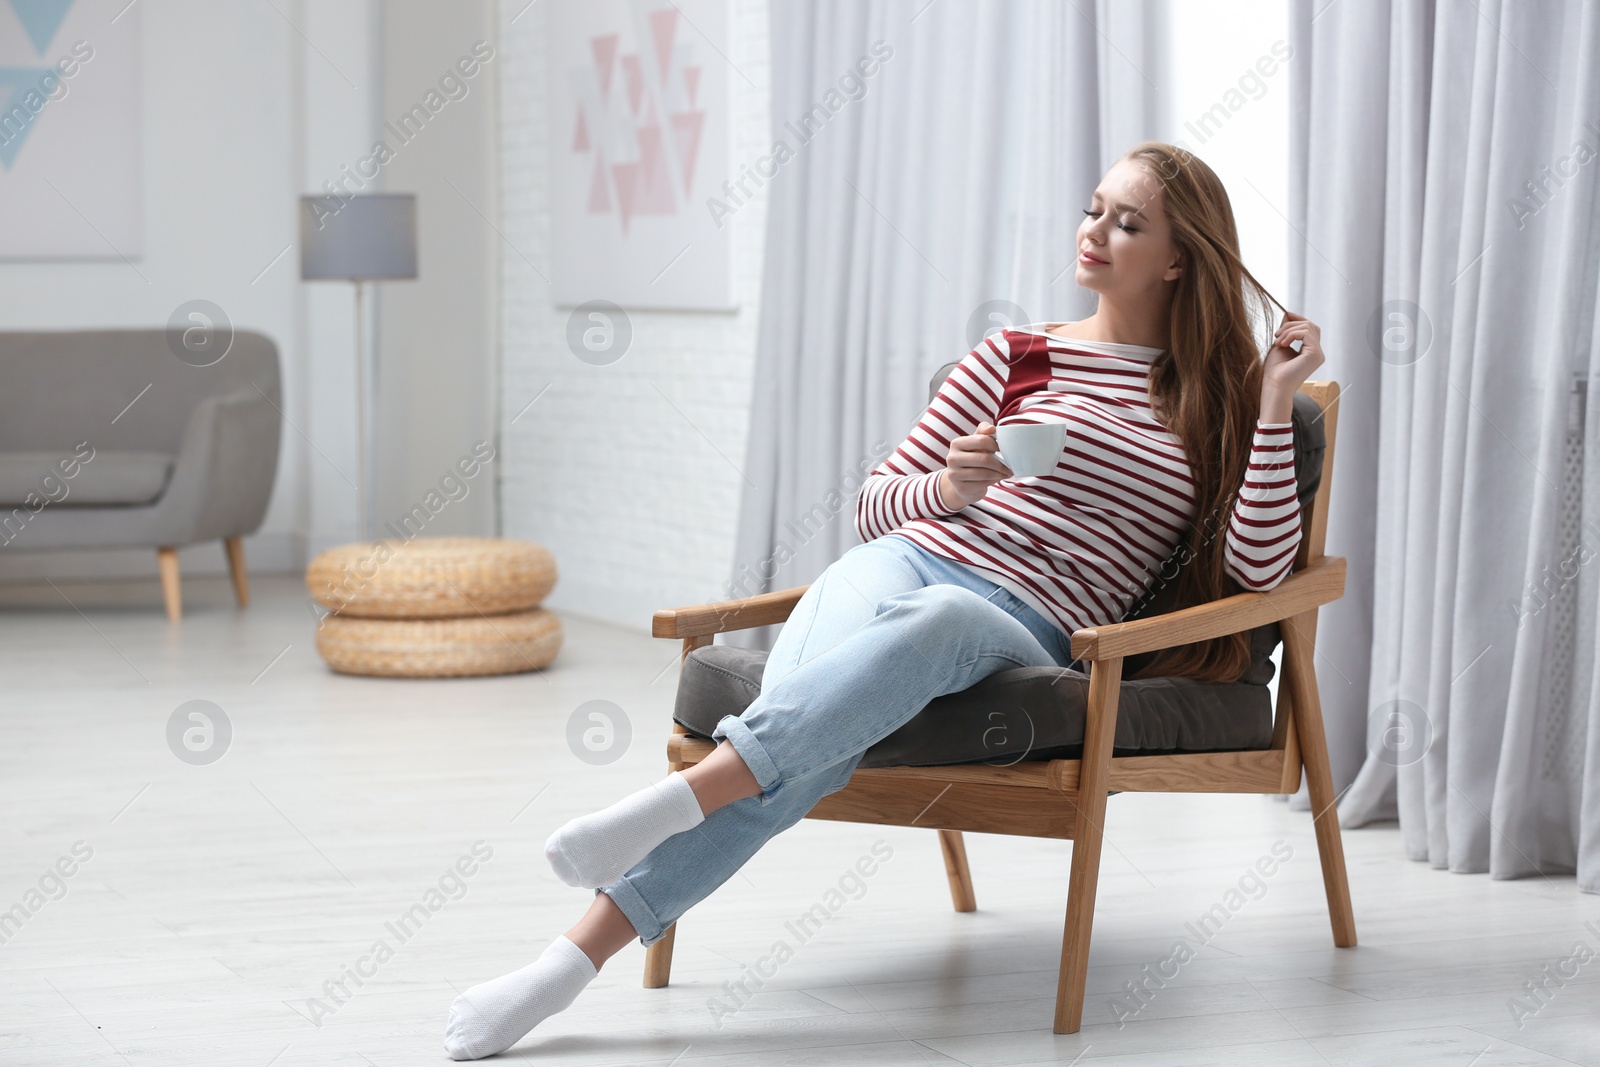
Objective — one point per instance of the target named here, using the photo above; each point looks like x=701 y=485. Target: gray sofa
x=1039 y=712
x=109 y=440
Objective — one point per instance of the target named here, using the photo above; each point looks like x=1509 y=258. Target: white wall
x=437 y=349
x=243 y=110
x=221 y=166
x=246 y=107
x=627 y=472
x=639 y=501
x=337 y=56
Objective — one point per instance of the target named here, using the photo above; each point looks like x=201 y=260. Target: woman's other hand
x=1284 y=370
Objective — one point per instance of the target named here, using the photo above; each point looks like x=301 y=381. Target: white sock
x=595 y=850
x=493 y=1016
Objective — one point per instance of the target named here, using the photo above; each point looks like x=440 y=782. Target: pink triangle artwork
x=640 y=158
x=644 y=126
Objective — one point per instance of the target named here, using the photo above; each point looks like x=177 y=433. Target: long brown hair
x=1206 y=389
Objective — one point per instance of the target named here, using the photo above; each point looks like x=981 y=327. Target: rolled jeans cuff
x=751 y=751
x=633 y=907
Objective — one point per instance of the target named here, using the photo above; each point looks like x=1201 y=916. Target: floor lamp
x=360 y=239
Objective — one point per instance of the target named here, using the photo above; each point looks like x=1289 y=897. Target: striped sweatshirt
x=1080 y=545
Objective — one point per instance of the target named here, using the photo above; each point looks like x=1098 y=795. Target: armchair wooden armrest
x=700 y=620
x=1318 y=582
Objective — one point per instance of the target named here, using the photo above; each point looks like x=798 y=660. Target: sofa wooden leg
x=955 y=866
x=170 y=591
x=658 y=960
x=241 y=581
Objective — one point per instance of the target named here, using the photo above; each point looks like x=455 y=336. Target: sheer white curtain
x=945 y=197
x=1445 y=158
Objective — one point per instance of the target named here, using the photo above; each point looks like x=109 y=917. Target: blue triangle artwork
x=16 y=119
x=41 y=20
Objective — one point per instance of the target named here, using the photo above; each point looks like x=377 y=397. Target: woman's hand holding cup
x=971 y=467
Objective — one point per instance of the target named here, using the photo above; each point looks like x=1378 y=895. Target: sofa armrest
x=724 y=615
x=223 y=474
x=1319 y=582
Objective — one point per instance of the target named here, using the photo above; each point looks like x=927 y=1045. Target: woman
x=1171 y=413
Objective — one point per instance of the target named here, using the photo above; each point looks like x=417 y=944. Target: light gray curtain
x=944 y=200
x=1444 y=161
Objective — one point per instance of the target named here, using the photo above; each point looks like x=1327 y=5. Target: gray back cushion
x=1039 y=712
x=67 y=386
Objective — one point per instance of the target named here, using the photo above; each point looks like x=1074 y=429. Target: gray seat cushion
x=1039 y=712
x=1012 y=715
x=109 y=478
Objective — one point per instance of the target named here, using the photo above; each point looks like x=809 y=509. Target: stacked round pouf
x=435 y=607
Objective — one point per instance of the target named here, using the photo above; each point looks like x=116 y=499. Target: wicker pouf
x=440 y=648
x=435 y=607
x=432 y=577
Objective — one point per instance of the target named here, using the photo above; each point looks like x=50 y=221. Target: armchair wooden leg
x=955 y=866
x=1299 y=633
x=241 y=581
x=170 y=591
x=1105 y=679
x=658 y=960
x=658 y=957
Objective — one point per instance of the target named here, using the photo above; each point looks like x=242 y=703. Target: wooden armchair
x=1066 y=798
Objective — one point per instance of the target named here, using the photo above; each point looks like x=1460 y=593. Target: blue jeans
x=885 y=629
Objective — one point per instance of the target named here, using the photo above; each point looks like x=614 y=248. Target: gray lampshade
x=373 y=235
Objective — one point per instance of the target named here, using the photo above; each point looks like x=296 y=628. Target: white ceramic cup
x=1031 y=449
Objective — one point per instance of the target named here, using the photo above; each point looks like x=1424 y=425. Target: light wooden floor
x=219 y=899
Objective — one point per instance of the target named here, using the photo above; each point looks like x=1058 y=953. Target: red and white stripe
x=1082 y=544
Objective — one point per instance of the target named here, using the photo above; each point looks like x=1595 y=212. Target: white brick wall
x=644 y=515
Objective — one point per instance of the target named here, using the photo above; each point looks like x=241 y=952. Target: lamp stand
x=361 y=411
